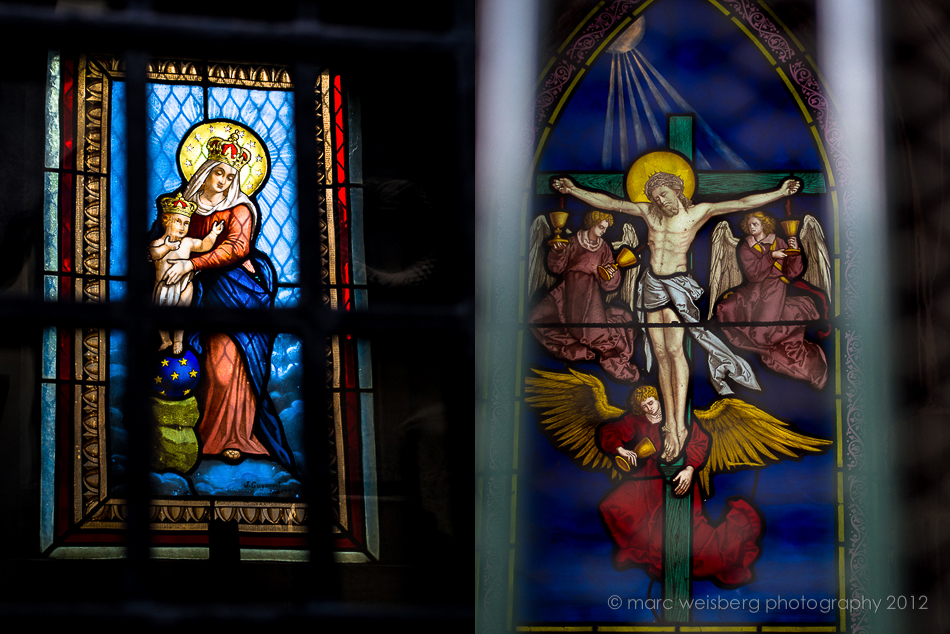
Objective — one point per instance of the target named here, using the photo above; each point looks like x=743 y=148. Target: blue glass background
x=51 y=221
x=118 y=209
x=172 y=110
x=271 y=115
x=48 y=464
x=564 y=563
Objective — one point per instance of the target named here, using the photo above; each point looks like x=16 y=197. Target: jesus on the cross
x=668 y=293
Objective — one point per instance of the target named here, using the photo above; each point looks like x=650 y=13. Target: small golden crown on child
x=177 y=205
x=228 y=151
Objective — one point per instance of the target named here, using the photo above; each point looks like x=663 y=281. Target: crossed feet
x=673 y=442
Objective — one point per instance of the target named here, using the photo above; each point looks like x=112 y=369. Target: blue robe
x=233 y=288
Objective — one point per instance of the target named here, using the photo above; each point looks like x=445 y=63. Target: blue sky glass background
x=717 y=70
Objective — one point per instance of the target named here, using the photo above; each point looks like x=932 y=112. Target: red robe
x=633 y=512
x=578 y=299
x=764 y=297
x=225 y=395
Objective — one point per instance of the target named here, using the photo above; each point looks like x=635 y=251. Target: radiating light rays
x=638 y=87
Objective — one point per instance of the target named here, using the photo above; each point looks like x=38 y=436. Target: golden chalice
x=624 y=259
x=644 y=449
x=791 y=230
x=558 y=220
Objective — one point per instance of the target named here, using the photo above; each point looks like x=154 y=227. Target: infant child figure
x=171 y=247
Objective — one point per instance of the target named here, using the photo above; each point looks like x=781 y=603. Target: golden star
x=183 y=362
x=193 y=373
x=164 y=363
x=185 y=393
x=158 y=380
x=174 y=376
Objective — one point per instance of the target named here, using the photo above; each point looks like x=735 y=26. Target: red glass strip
x=66 y=220
x=345 y=543
x=338 y=124
x=278 y=542
x=64 y=413
x=96 y=538
x=343 y=242
x=66 y=289
x=65 y=356
x=68 y=113
x=355 y=469
x=349 y=361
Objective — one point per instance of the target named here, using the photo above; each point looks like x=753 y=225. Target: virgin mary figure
x=238 y=417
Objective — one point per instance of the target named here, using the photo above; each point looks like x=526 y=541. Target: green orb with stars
x=175 y=376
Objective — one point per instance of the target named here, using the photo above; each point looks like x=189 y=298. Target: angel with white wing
x=730 y=435
x=772 y=292
x=587 y=270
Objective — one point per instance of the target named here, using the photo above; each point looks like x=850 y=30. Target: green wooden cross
x=678 y=517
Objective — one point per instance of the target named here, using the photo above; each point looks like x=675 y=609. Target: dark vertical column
x=139 y=326
x=458 y=406
x=314 y=317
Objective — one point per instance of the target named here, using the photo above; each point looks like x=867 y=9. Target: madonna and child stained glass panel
x=680 y=448
x=228 y=442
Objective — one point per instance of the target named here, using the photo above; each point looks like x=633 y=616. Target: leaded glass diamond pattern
x=172 y=110
x=270 y=114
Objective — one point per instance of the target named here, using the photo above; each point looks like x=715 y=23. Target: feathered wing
x=724 y=271
x=538 y=276
x=574 y=406
x=628 y=286
x=812 y=238
x=742 y=436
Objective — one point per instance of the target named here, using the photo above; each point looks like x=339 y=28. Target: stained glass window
x=677 y=450
x=229 y=436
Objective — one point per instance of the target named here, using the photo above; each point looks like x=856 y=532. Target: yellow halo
x=659 y=161
x=192 y=152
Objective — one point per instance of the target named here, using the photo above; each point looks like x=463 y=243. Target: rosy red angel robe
x=578 y=299
x=764 y=297
x=225 y=394
x=633 y=512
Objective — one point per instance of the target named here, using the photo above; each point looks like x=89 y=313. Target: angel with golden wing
x=763 y=278
x=730 y=435
x=576 y=322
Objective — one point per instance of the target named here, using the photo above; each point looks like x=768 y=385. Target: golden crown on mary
x=228 y=151
x=177 y=205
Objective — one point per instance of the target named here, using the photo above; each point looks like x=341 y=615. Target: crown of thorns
x=662 y=178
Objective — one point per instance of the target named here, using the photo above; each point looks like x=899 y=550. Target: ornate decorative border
x=767 y=30
x=191 y=515
x=252 y=76
x=91 y=259
x=218 y=73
